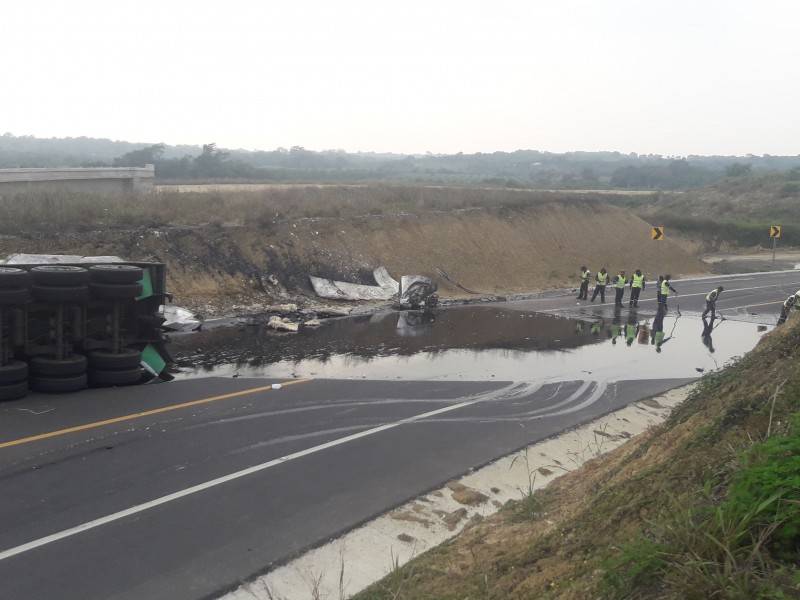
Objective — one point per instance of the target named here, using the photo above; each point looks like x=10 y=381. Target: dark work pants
x=583 y=294
x=619 y=293
x=602 y=290
x=635 y=291
x=710 y=308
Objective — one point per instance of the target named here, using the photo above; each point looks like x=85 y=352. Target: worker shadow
x=708 y=330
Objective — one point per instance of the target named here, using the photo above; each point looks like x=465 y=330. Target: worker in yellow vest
x=637 y=285
x=601 y=281
x=586 y=275
x=711 y=302
x=791 y=301
x=665 y=290
x=619 y=283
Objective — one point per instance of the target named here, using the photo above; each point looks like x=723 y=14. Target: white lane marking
x=226 y=478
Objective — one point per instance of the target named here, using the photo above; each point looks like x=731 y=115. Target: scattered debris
x=411 y=517
x=470 y=497
x=330 y=311
x=179 y=319
x=454 y=518
x=386 y=289
x=282 y=324
x=281 y=308
x=412 y=291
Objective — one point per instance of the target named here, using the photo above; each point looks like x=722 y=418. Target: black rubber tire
x=57 y=385
x=18 y=296
x=109 y=377
x=114 y=377
x=11 y=278
x=115 y=273
x=129 y=358
x=60 y=293
x=11 y=391
x=59 y=275
x=47 y=366
x=14 y=371
x=118 y=291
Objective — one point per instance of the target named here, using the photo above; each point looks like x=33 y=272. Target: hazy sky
x=672 y=77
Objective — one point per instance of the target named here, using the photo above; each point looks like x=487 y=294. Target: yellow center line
x=155 y=411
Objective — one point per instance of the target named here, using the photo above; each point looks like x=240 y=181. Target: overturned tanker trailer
x=71 y=322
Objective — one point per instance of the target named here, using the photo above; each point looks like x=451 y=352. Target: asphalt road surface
x=184 y=490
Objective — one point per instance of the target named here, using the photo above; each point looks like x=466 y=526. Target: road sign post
x=657 y=235
x=774 y=233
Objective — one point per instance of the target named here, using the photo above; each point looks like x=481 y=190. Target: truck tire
x=115 y=291
x=47 y=366
x=13 y=372
x=11 y=278
x=129 y=358
x=57 y=385
x=11 y=391
x=110 y=377
x=114 y=273
x=8 y=297
x=60 y=293
x=59 y=275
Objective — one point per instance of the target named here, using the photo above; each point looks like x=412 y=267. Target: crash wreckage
x=68 y=322
x=411 y=292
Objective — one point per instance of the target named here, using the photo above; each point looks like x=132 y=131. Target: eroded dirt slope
x=217 y=268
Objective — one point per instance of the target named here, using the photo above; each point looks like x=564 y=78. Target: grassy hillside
x=706 y=505
x=736 y=212
x=241 y=247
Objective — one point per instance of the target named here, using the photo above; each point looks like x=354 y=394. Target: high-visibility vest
x=637 y=281
x=712 y=295
x=602 y=278
x=659 y=337
x=630 y=332
x=586 y=275
x=620 y=280
x=665 y=288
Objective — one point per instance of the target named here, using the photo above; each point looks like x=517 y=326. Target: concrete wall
x=119 y=180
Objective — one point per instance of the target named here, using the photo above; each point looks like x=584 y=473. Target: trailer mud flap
x=147 y=284
x=155 y=359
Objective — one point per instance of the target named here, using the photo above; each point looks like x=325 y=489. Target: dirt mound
x=218 y=269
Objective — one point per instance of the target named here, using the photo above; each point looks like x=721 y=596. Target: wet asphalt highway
x=185 y=489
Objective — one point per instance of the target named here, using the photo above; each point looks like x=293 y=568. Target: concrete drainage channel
x=349 y=564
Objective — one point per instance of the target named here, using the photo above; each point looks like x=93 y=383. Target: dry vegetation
x=705 y=506
x=223 y=248
x=242 y=205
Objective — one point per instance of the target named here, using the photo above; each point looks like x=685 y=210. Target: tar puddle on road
x=468 y=343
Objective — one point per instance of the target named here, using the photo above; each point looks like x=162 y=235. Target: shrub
x=770 y=480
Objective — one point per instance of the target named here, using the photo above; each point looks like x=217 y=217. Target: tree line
x=519 y=169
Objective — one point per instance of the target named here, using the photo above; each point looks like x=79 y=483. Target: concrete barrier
x=120 y=180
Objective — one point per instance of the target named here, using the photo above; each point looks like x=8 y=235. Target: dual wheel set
x=45 y=318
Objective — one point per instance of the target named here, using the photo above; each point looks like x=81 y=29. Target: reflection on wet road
x=471 y=343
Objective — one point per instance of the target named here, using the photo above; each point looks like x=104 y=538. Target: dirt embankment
x=219 y=269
